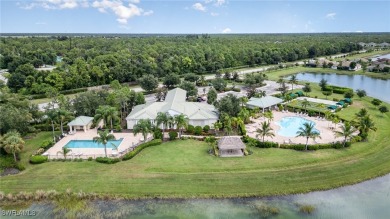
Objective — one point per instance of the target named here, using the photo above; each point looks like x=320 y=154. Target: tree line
x=91 y=61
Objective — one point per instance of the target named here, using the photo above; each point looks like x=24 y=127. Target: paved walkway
x=128 y=142
x=324 y=126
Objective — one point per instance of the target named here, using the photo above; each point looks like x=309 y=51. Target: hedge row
x=38 y=159
x=138 y=149
x=64 y=92
x=107 y=160
x=338 y=90
x=258 y=143
x=301 y=147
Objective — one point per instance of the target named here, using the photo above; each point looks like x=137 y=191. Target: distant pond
x=375 y=87
x=369 y=199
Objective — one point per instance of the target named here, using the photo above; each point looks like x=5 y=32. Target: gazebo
x=263 y=103
x=229 y=146
x=81 y=122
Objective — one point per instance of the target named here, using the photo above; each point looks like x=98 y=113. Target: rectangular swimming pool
x=91 y=144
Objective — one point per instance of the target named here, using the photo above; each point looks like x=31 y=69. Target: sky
x=188 y=16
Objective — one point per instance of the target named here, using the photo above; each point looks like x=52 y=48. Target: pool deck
x=128 y=142
x=324 y=126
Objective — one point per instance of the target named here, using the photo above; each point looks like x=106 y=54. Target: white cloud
x=123 y=13
x=55 y=4
x=227 y=30
x=214 y=14
x=219 y=2
x=198 y=6
x=359 y=31
x=147 y=13
x=331 y=16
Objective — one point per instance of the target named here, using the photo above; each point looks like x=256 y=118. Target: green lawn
x=184 y=169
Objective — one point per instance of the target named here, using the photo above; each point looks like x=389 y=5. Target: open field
x=184 y=169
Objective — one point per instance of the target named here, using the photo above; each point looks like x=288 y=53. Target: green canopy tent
x=348 y=100
x=293 y=95
x=299 y=93
x=341 y=103
x=332 y=107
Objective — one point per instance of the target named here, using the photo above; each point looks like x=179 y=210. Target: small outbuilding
x=230 y=146
x=81 y=123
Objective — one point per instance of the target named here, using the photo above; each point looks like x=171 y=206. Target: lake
x=369 y=199
x=375 y=87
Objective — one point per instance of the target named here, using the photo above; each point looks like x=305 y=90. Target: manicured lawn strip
x=185 y=169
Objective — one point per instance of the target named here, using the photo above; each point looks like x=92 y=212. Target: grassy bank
x=185 y=169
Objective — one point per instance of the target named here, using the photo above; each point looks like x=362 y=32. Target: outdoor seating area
x=128 y=143
x=325 y=127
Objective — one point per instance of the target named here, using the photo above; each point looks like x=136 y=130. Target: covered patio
x=230 y=146
x=263 y=103
x=80 y=123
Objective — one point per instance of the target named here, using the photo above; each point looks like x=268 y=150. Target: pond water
x=375 y=87
x=369 y=199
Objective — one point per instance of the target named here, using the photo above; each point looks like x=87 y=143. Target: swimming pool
x=290 y=125
x=91 y=144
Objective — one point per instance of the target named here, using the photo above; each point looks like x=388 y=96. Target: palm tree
x=52 y=116
x=347 y=131
x=243 y=101
x=262 y=93
x=13 y=143
x=265 y=130
x=211 y=140
x=293 y=80
x=163 y=118
x=63 y=116
x=280 y=82
x=103 y=138
x=181 y=122
x=143 y=126
x=269 y=116
x=305 y=103
x=217 y=126
x=244 y=115
x=64 y=151
x=364 y=125
x=107 y=113
x=308 y=131
x=335 y=120
x=362 y=113
x=328 y=116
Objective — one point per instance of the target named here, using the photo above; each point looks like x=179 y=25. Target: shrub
x=206 y=128
x=90 y=158
x=157 y=134
x=190 y=129
x=337 y=145
x=140 y=147
x=266 y=144
x=47 y=144
x=335 y=99
x=20 y=167
x=38 y=159
x=172 y=135
x=307 y=209
x=236 y=89
x=325 y=146
x=107 y=160
x=345 y=105
x=198 y=130
x=312 y=147
x=298 y=147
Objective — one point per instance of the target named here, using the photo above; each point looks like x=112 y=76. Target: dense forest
x=96 y=60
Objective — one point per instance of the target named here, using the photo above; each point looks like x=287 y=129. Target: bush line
x=138 y=149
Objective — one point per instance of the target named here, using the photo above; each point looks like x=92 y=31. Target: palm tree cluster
x=109 y=114
x=145 y=126
x=364 y=123
x=12 y=143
